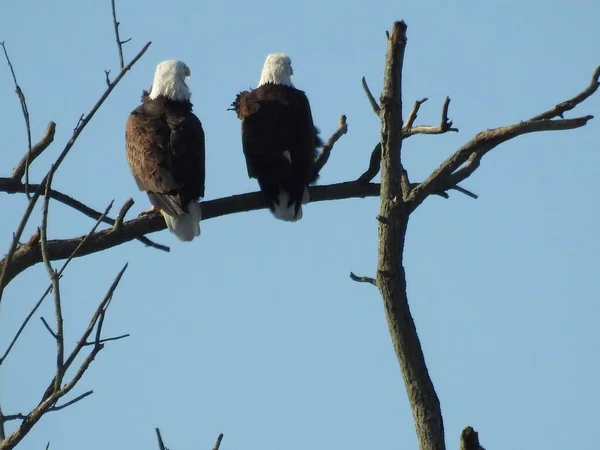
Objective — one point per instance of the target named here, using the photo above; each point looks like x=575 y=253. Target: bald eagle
x=164 y=143
x=279 y=138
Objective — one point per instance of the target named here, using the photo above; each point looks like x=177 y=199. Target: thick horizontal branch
x=13 y=186
x=19 y=171
x=443 y=178
x=29 y=254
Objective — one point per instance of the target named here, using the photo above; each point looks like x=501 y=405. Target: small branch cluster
x=91 y=338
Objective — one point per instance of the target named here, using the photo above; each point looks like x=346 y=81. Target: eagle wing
x=166 y=156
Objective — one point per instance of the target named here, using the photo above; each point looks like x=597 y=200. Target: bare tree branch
x=391 y=277
x=12 y=186
x=110 y=339
x=218 y=442
x=60 y=272
x=469 y=440
x=85 y=119
x=117 y=37
x=54 y=280
x=326 y=152
x=53 y=394
x=6 y=262
x=29 y=254
x=161 y=444
x=471 y=153
x=363 y=279
x=50 y=330
x=20 y=416
x=374 y=166
x=568 y=105
x=445 y=124
x=372 y=101
x=126 y=207
x=25 y=111
x=2 y=421
x=36 y=150
x=412 y=115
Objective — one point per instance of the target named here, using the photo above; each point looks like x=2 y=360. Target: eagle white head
x=277 y=69
x=169 y=81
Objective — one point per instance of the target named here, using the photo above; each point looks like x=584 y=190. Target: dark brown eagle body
x=166 y=155
x=280 y=144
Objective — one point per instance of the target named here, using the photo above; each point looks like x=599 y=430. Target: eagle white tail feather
x=285 y=212
x=187 y=226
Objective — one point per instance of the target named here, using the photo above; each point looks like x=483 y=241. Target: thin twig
x=465 y=191
x=50 y=330
x=412 y=116
x=117 y=37
x=36 y=150
x=326 y=152
x=161 y=444
x=122 y=213
x=2 y=421
x=54 y=282
x=70 y=402
x=218 y=442
x=12 y=186
x=84 y=120
x=374 y=166
x=25 y=111
x=372 y=101
x=21 y=416
x=363 y=279
x=568 y=105
x=110 y=339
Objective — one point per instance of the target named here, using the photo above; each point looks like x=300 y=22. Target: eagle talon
x=149 y=212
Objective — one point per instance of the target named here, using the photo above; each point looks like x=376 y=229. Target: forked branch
x=466 y=159
x=448 y=174
x=56 y=390
x=444 y=127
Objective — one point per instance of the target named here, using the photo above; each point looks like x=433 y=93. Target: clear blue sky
x=255 y=329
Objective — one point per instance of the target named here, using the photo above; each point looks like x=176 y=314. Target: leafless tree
x=399 y=199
